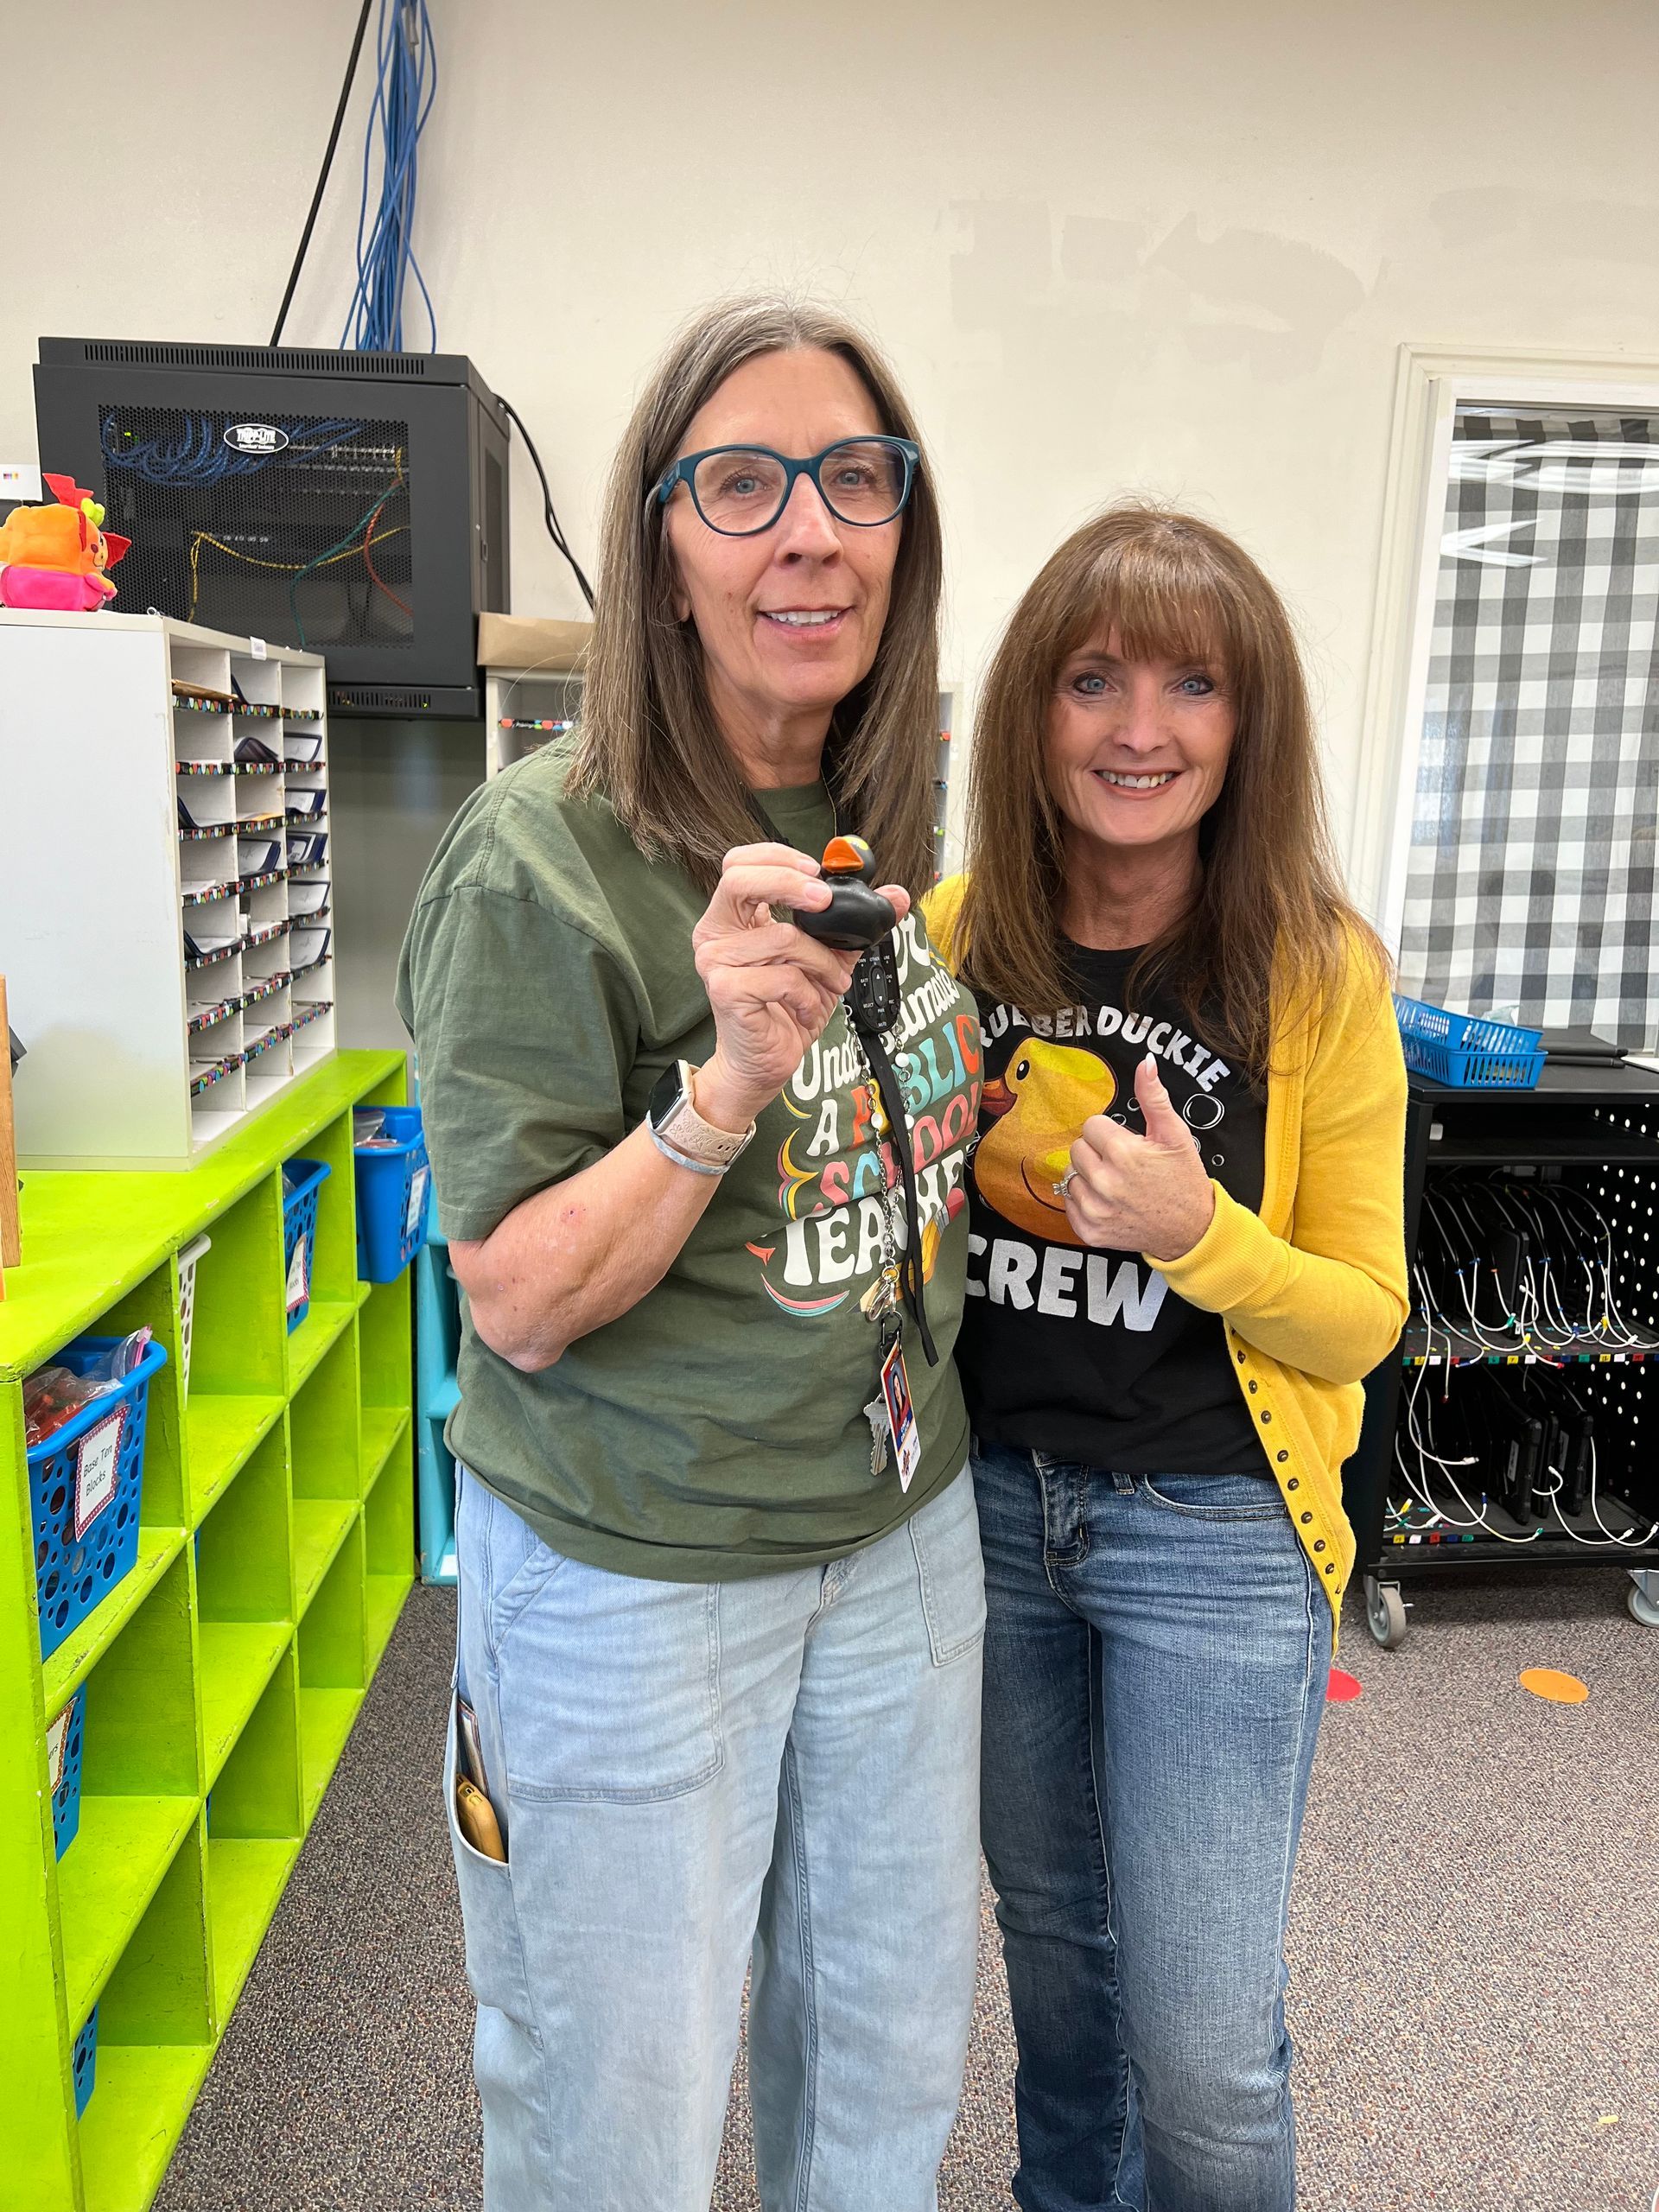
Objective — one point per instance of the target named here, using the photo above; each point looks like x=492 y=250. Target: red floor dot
x=1343 y=1688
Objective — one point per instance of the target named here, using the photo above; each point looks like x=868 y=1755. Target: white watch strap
x=685 y=1160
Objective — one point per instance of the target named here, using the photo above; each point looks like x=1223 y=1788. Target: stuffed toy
x=55 y=556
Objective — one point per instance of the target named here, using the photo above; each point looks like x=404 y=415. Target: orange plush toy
x=55 y=556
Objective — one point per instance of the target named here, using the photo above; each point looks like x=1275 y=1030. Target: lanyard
x=872 y=1047
x=865 y=1032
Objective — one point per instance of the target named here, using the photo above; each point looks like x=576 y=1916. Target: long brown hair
x=1270 y=911
x=648 y=739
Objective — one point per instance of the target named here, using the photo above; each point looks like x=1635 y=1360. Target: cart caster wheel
x=1641 y=1607
x=1385 y=1614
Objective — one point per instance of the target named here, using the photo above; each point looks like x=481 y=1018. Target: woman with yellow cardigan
x=1186 y=1251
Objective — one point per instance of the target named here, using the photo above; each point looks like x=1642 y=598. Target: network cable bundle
x=1520 y=1423
x=352 y=502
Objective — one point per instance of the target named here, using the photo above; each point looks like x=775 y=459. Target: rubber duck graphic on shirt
x=1040 y=1102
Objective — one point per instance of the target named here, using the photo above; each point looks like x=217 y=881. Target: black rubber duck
x=857 y=916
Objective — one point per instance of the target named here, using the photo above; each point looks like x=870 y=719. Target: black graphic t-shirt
x=1090 y=1355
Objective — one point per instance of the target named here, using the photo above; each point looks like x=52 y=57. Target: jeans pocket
x=511 y=1562
x=945 y=1538
x=495 y=1958
x=1217 y=1497
x=608 y=1688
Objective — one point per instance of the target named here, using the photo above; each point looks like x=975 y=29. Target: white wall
x=1164 y=248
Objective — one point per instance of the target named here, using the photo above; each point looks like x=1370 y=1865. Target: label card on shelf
x=299 y=1280
x=57 y=1740
x=257 y=647
x=98 y=1463
x=416 y=1200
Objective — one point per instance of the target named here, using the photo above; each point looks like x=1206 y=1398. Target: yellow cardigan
x=1311 y=1291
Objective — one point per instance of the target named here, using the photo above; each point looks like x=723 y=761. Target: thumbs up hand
x=1129 y=1193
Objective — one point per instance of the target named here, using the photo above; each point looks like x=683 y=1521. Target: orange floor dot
x=1549 y=1683
x=1343 y=1688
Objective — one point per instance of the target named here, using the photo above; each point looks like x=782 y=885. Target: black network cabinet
x=354 y=504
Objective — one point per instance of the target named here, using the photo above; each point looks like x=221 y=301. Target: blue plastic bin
x=84 y=1485
x=83 y=2061
x=302 y=1180
x=392 y=1181
x=64 y=1740
x=1466 y=1053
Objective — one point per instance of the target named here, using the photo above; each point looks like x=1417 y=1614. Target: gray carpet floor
x=1475 y=1955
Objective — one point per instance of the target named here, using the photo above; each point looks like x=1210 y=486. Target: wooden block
x=527 y=643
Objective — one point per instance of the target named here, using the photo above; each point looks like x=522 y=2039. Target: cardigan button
x=1266 y=1416
x=1282 y=1455
x=1240 y=1359
x=1319 y=1544
x=1252 y=1389
x=1330 y=1566
x=1291 y=1482
x=1308 y=1516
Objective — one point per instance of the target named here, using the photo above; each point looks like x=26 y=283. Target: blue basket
x=392 y=1181
x=300 y=1233
x=83 y=2061
x=1466 y=1054
x=89 y=1472
x=64 y=1740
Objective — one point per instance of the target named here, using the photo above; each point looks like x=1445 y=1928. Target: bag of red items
x=52 y=1395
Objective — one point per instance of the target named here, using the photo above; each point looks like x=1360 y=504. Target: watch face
x=667 y=1092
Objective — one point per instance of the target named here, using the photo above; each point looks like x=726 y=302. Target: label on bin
x=98 y=1463
x=299 y=1273
x=57 y=1742
x=416 y=1201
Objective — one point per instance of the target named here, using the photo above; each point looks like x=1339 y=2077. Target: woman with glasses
x=721 y=1597
x=1187 y=1251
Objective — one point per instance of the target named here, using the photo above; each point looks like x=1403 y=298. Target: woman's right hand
x=772 y=989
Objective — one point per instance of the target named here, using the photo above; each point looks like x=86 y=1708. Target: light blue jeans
x=1155 y=1670
x=687 y=1773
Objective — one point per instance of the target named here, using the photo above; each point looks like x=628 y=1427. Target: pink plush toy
x=55 y=556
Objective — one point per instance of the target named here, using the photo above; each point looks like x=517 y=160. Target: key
x=876 y=1414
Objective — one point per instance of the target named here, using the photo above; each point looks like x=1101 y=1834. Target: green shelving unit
x=277 y=1548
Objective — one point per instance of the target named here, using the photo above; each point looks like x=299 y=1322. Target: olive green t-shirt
x=717 y=1429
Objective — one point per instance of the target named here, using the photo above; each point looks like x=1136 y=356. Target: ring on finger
x=1065 y=1182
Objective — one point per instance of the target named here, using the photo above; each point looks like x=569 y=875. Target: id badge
x=901 y=1415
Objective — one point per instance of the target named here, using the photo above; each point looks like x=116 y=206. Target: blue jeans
x=688 y=1772
x=1156 y=1655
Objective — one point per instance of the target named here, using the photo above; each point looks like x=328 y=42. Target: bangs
x=1167 y=597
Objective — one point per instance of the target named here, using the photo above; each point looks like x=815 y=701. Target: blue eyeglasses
x=741 y=490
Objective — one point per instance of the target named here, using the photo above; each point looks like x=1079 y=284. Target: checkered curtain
x=1531 y=875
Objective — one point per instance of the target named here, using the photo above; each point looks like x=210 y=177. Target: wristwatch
x=680 y=1133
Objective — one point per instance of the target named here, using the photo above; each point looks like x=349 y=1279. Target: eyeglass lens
x=862 y=482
